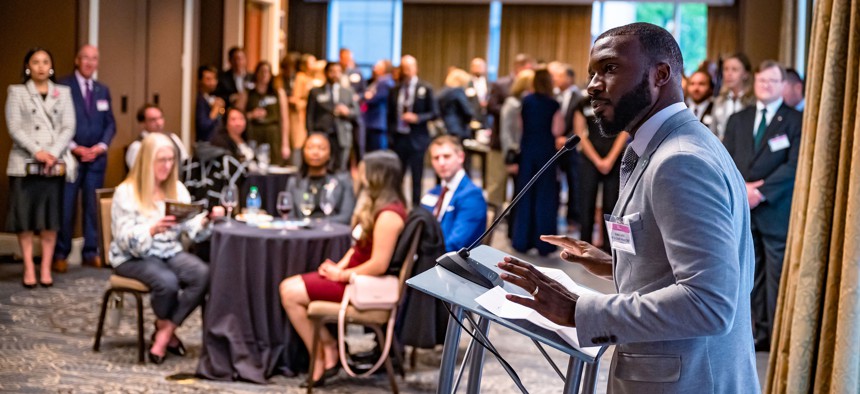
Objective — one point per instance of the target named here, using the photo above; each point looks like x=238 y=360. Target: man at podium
x=682 y=252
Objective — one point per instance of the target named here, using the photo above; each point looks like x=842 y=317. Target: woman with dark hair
x=267 y=111
x=537 y=211
x=318 y=182
x=231 y=136
x=379 y=218
x=40 y=117
x=736 y=92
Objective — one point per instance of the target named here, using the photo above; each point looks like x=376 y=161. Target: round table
x=246 y=333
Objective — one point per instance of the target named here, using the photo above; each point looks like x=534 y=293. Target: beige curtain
x=723 y=31
x=547 y=33
x=444 y=35
x=816 y=344
x=787 y=35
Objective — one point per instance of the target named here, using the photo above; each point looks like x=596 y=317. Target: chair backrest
x=104 y=199
x=492 y=211
x=410 y=259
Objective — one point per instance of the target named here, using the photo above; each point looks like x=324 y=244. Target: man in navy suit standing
x=764 y=141
x=94 y=130
x=410 y=106
x=457 y=203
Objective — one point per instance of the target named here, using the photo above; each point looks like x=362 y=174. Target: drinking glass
x=284 y=206
x=327 y=206
x=307 y=204
x=264 y=157
x=229 y=199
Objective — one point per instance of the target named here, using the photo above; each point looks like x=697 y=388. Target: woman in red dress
x=378 y=220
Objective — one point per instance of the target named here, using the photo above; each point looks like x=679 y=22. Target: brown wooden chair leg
x=413 y=358
x=313 y=358
x=380 y=338
x=399 y=352
x=141 y=344
x=100 y=328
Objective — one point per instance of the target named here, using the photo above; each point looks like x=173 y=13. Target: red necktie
x=438 y=208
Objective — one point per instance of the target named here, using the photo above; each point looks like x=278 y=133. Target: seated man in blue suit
x=457 y=203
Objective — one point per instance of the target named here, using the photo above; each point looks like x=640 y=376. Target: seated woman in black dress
x=232 y=136
x=146 y=244
x=379 y=218
x=318 y=185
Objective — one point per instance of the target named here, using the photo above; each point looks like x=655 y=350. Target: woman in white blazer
x=40 y=118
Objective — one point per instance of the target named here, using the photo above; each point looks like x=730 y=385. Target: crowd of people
x=356 y=138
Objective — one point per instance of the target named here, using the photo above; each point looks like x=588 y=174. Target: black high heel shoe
x=156 y=359
x=26 y=285
x=328 y=374
x=46 y=284
x=178 y=350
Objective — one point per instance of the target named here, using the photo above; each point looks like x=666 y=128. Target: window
x=686 y=21
x=370 y=28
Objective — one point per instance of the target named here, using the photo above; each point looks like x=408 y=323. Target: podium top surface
x=447 y=286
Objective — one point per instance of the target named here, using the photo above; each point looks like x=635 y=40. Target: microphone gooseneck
x=568 y=145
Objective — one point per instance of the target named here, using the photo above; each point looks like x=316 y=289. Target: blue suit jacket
x=206 y=127
x=376 y=116
x=94 y=126
x=466 y=216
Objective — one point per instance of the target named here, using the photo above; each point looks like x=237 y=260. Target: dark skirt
x=35 y=203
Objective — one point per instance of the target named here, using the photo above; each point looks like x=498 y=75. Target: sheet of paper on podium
x=494 y=300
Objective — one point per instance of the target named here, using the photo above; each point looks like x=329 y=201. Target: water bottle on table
x=253 y=202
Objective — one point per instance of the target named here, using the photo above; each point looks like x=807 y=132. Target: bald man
x=94 y=130
x=410 y=106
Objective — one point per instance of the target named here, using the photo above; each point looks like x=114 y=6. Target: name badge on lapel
x=422 y=92
x=620 y=233
x=778 y=143
x=102 y=105
x=323 y=98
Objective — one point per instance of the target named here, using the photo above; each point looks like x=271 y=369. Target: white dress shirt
x=452 y=187
x=771 y=111
x=646 y=132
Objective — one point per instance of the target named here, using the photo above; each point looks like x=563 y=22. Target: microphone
x=464 y=266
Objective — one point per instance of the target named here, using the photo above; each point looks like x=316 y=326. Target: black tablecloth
x=246 y=333
x=269 y=185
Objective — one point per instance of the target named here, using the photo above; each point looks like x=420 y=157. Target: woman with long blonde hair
x=379 y=218
x=146 y=243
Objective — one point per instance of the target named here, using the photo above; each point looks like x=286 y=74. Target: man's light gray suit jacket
x=681 y=318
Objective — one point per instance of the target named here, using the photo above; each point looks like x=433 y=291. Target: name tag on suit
x=323 y=98
x=102 y=105
x=620 y=232
x=778 y=143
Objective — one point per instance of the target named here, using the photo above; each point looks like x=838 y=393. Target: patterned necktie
x=628 y=163
x=438 y=208
x=762 y=127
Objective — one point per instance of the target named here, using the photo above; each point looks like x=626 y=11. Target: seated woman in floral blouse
x=146 y=244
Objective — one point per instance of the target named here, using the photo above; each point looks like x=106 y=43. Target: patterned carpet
x=46 y=338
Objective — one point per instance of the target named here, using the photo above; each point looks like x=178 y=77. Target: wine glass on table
x=306 y=205
x=327 y=206
x=229 y=199
x=284 y=206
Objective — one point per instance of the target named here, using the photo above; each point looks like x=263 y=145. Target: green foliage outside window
x=693 y=32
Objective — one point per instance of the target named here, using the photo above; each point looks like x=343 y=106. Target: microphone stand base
x=469 y=269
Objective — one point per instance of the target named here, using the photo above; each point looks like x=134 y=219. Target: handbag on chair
x=367 y=292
